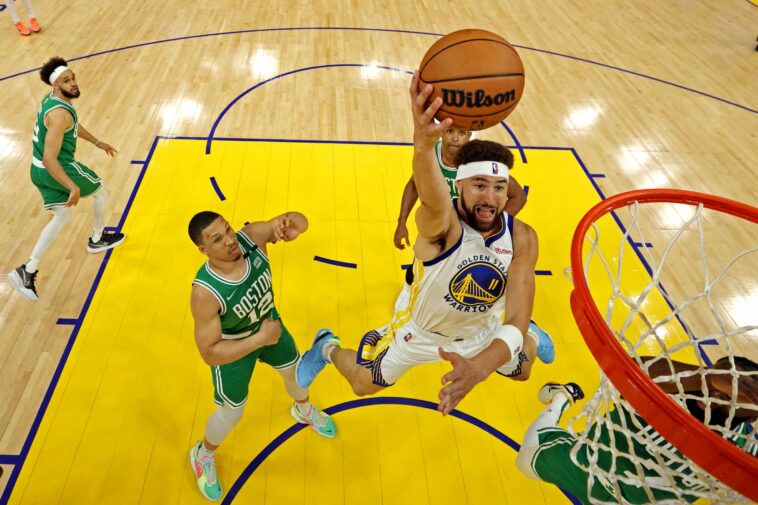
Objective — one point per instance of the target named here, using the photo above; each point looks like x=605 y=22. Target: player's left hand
x=457 y=382
x=109 y=149
x=284 y=229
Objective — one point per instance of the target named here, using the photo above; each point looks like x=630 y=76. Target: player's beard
x=473 y=220
x=70 y=94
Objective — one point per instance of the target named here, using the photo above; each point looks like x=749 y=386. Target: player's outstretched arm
x=86 y=135
x=215 y=351
x=285 y=227
x=435 y=214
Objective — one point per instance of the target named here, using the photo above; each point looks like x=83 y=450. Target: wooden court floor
x=102 y=389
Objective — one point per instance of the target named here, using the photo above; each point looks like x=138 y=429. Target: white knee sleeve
x=221 y=422
x=99 y=203
x=61 y=216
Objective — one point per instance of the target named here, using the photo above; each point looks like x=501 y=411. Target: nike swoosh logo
x=230 y=296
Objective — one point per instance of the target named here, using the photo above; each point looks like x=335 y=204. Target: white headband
x=57 y=73
x=489 y=168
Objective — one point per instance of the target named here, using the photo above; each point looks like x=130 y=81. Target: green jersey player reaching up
x=237 y=324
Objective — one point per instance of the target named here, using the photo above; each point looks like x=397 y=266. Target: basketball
x=478 y=74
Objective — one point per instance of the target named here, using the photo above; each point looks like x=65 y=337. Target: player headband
x=490 y=168
x=57 y=73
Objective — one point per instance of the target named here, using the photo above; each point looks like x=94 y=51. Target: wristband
x=97 y=143
x=512 y=336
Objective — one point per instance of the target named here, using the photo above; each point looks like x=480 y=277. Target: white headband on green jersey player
x=57 y=73
x=488 y=168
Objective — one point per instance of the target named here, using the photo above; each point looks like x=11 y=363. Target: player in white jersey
x=464 y=255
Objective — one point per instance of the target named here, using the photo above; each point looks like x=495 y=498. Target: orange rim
x=708 y=450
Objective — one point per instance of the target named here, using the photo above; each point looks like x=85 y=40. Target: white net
x=678 y=288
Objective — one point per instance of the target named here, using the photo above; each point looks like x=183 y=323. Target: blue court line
x=640 y=256
x=597 y=176
x=640 y=244
x=386 y=30
x=63 y=321
x=526 y=190
x=515 y=141
x=335 y=262
x=296 y=71
x=217 y=189
x=137 y=162
x=111 y=228
x=354 y=404
x=543 y=272
x=72 y=338
x=9 y=459
x=711 y=341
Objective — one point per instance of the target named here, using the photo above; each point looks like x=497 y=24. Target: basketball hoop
x=628 y=331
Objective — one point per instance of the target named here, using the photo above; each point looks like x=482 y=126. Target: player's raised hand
x=458 y=382
x=425 y=131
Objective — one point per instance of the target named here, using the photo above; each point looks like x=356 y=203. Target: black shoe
x=571 y=389
x=108 y=240
x=23 y=281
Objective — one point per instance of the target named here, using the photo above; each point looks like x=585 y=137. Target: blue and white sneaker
x=545 y=348
x=313 y=361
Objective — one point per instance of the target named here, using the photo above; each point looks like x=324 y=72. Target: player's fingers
x=413 y=89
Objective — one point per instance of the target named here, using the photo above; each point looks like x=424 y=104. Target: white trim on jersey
x=213 y=291
x=230 y=282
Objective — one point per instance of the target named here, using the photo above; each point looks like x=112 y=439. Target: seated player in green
x=237 y=324
x=546 y=452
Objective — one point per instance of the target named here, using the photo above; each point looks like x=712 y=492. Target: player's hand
x=284 y=229
x=109 y=149
x=425 y=131
x=73 y=197
x=271 y=330
x=457 y=382
x=401 y=233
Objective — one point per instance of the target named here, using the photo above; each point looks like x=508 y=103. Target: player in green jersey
x=237 y=324
x=60 y=178
x=546 y=452
x=453 y=138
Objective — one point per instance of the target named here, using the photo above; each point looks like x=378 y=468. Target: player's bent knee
x=524 y=462
x=362 y=388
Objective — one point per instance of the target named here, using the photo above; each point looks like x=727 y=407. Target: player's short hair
x=200 y=222
x=47 y=68
x=484 y=150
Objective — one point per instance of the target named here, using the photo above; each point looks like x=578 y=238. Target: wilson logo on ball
x=474 y=99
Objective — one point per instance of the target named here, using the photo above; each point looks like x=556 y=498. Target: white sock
x=61 y=216
x=328 y=350
x=304 y=408
x=12 y=10
x=28 y=5
x=100 y=199
x=204 y=453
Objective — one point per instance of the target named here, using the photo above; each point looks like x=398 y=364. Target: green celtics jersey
x=246 y=302
x=68 y=147
x=654 y=443
x=448 y=172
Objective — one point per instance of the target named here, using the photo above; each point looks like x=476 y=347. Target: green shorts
x=54 y=194
x=230 y=381
x=552 y=462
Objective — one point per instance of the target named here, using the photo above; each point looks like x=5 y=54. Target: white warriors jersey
x=460 y=293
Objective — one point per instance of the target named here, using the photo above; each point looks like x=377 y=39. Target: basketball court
x=106 y=390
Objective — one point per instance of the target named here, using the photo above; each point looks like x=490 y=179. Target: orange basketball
x=478 y=74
